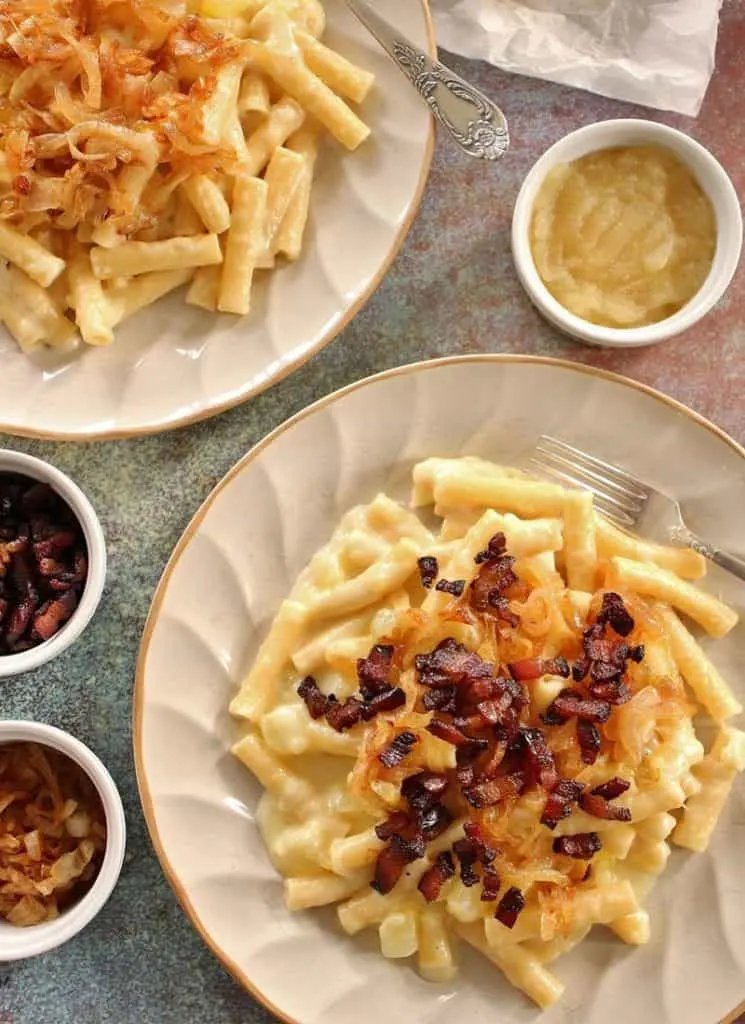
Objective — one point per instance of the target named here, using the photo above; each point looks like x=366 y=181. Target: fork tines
x=618 y=495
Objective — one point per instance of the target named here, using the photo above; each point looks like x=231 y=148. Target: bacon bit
x=582 y=846
x=571 y=704
x=454 y=587
x=52 y=615
x=435 y=877
x=589 y=740
x=484 y=852
x=580 y=668
x=614 y=612
x=465 y=775
x=467 y=856
x=488 y=588
x=428 y=570
x=424 y=788
x=494 y=791
x=541 y=767
x=611 y=789
x=396 y=823
x=533 y=668
x=559 y=802
x=496 y=548
x=510 y=907
x=315 y=700
x=600 y=808
x=614 y=691
x=344 y=716
x=451 y=664
x=493 y=711
x=373 y=671
x=491 y=883
x=441 y=699
x=398 y=749
x=433 y=821
x=391 y=861
x=389 y=700
x=451 y=734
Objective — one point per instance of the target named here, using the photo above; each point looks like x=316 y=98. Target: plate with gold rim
x=173 y=364
x=244 y=548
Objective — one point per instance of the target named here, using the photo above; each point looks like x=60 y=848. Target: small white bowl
x=710 y=175
x=18 y=943
x=36 y=469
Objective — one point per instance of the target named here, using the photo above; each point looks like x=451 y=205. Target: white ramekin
x=36 y=469
x=18 y=943
x=710 y=175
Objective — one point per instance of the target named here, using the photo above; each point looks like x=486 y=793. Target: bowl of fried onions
x=62 y=837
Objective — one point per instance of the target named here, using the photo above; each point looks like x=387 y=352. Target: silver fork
x=625 y=500
x=471 y=118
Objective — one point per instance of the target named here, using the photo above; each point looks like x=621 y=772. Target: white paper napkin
x=659 y=53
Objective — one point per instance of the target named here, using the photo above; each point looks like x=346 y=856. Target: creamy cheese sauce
x=623 y=237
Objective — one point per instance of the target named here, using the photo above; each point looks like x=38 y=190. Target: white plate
x=236 y=562
x=174 y=364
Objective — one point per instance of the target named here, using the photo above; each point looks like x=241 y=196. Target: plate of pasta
x=458 y=741
x=183 y=187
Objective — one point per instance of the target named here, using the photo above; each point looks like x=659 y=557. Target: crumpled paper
x=659 y=53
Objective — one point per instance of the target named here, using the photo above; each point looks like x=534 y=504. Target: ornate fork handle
x=727 y=561
x=477 y=125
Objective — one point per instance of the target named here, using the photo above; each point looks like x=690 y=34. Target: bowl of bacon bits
x=62 y=837
x=52 y=562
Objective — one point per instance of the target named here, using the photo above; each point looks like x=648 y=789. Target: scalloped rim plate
x=221 y=588
x=173 y=364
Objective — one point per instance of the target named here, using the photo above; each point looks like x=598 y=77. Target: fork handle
x=727 y=561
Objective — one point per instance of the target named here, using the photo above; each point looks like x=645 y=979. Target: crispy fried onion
x=80 y=105
x=52 y=833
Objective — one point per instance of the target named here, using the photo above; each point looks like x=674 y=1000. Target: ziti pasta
x=485 y=733
x=146 y=144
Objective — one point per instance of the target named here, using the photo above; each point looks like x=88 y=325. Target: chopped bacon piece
x=465 y=775
x=582 y=846
x=527 y=669
x=441 y=699
x=494 y=578
x=486 y=794
x=539 y=760
x=315 y=700
x=485 y=853
x=398 y=749
x=571 y=704
x=424 y=788
x=396 y=822
x=454 y=587
x=611 y=789
x=451 y=664
x=580 y=668
x=614 y=612
x=588 y=737
x=388 y=700
x=510 y=907
x=614 y=691
x=559 y=802
x=600 y=808
x=494 y=711
x=433 y=821
x=491 y=882
x=428 y=570
x=500 y=609
x=344 y=716
x=452 y=734
x=52 y=615
x=636 y=653
x=393 y=859
x=435 y=877
x=496 y=548
x=373 y=671
x=467 y=856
